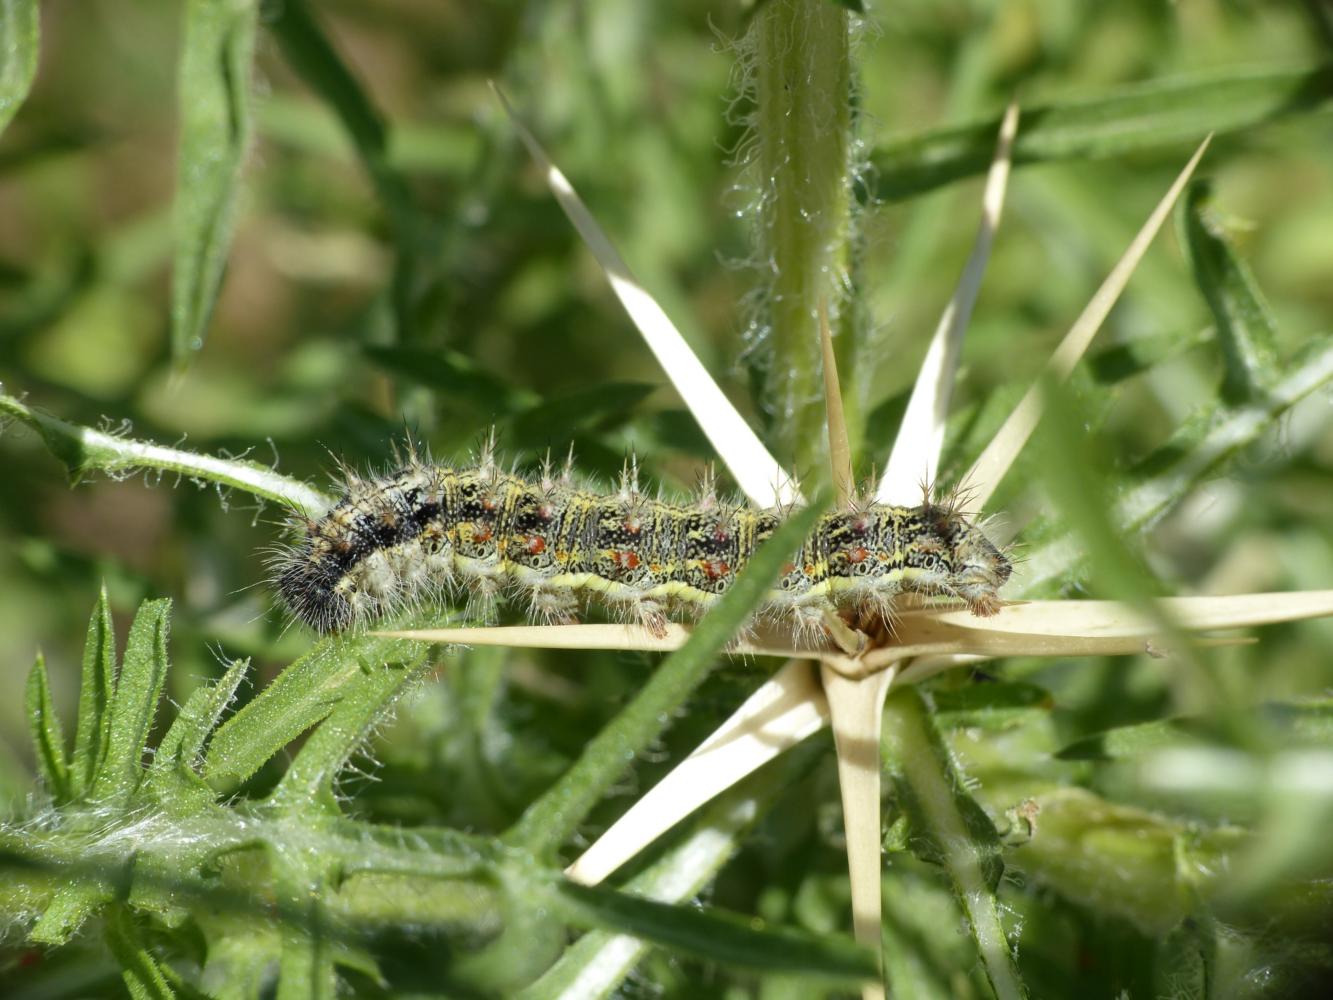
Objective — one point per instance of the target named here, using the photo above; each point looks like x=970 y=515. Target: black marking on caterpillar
x=428 y=532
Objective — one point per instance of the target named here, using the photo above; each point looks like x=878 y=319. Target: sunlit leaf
x=217 y=45
x=1157 y=115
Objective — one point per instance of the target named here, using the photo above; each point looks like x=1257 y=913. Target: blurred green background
x=507 y=322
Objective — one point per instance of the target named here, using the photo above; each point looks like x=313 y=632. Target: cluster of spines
x=427 y=532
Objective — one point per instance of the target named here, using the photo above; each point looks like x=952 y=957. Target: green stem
x=956 y=829
x=83 y=449
x=550 y=820
x=803 y=141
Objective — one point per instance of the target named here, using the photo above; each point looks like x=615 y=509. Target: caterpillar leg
x=552 y=607
x=651 y=615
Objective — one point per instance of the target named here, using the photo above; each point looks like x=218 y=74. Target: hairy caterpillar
x=429 y=531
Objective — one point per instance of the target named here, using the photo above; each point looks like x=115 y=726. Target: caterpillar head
x=980 y=569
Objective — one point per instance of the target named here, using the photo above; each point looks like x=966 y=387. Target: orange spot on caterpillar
x=625 y=560
x=858 y=554
x=715 y=569
x=484 y=535
x=536 y=545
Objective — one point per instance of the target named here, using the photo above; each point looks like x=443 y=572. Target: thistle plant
x=1114 y=785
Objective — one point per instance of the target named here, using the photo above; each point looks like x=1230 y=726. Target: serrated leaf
x=181 y=747
x=140 y=970
x=362 y=703
x=213 y=98
x=718 y=936
x=1245 y=327
x=96 y=686
x=48 y=737
x=18 y=55
x=1157 y=115
x=298 y=698
x=71 y=905
x=143 y=671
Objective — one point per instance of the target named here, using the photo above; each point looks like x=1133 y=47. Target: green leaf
x=556 y=814
x=1244 y=323
x=1308 y=722
x=991 y=707
x=138 y=689
x=1133 y=357
x=454 y=373
x=72 y=904
x=140 y=970
x=1119 y=861
x=47 y=736
x=362 y=703
x=716 y=936
x=575 y=411
x=180 y=749
x=18 y=55
x=1161 y=114
x=299 y=697
x=217 y=46
x=1200 y=449
x=96 y=686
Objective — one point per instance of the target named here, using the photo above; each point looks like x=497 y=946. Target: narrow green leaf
x=550 y=820
x=575 y=411
x=598 y=962
x=96 y=684
x=180 y=749
x=454 y=373
x=1308 y=722
x=362 y=703
x=990 y=707
x=18 y=55
x=143 y=977
x=1200 y=449
x=299 y=697
x=72 y=904
x=717 y=936
x=950 y=828
x=48 y=737
x=138 y=689
x=217 y=46
x=1244 y=323
x=1122 y=361
x=1157 y=115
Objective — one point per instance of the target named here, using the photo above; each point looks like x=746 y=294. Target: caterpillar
x=427 y=532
